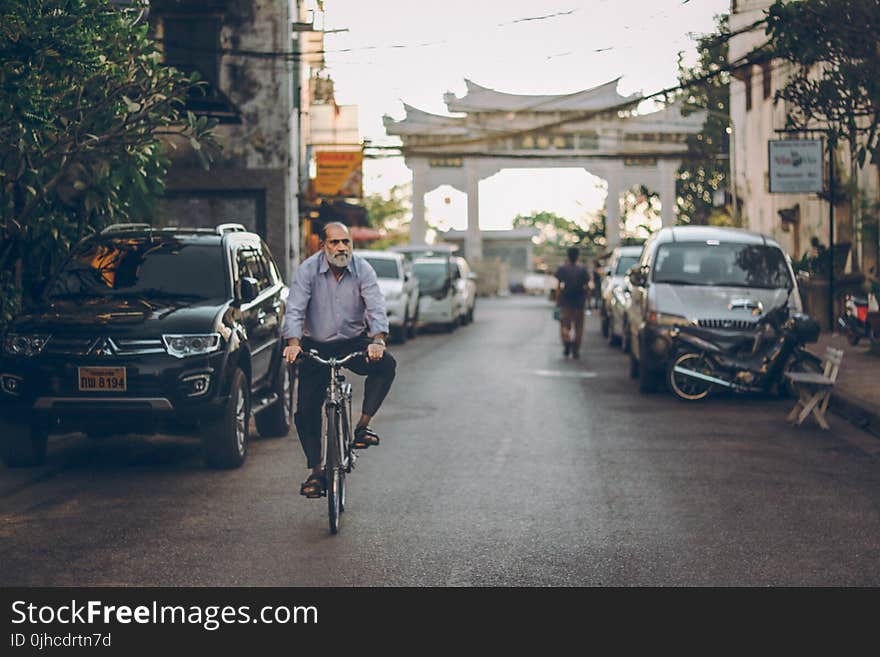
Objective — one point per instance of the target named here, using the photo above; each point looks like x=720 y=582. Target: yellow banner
x=339 y=173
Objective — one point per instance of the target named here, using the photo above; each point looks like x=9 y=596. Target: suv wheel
x=649 y=379
x=398 y=333
x=25 y=446
x=274 y=421
x=413 y=328
x=633 y=367
x=226 y=439
x=613 y=338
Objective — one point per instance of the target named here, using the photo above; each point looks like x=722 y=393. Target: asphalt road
x=501 y=464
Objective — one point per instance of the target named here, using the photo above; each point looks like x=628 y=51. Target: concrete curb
x=862 y=414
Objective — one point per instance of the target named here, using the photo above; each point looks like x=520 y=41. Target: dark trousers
x=571 y=326
x=314 y=379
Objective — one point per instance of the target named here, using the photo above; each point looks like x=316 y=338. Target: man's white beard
x=340 y=259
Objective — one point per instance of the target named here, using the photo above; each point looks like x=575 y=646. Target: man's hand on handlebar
x=292 y=352
x=375 y=351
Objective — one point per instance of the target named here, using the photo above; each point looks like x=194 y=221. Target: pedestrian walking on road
x=336 y=307
x=571 y=297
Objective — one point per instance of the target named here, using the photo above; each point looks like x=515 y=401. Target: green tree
x=645 y=204
x=83 y=96
x=389 y=212
x=557 y=233
x=705 y=169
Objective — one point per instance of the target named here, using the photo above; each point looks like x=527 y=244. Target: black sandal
x=364 y=437
x=313 y=487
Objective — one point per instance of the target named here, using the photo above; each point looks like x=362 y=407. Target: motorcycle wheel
x=688 y=388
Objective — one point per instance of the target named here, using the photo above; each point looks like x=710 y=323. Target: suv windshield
x=624 y=264
x=725 y=265
x=385 y=267
x=432 y=275
x=140 y=266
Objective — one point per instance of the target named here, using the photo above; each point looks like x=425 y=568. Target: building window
x=765 y=79
x=747 y=80
x=192 y=43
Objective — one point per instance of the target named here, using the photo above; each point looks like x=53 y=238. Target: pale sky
x=403 y=51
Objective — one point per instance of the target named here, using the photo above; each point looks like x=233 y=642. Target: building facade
x=242 y=50
x=792 y=219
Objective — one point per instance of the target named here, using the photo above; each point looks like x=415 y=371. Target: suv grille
x=62 y=345
x=79 y=346
x=728 y=324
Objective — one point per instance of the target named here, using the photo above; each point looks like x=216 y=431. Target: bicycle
x=337 y=456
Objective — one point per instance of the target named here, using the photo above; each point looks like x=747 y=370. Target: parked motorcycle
x=705 y=360
x=854 y=322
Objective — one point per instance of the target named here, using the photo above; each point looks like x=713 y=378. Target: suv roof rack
x=112 y=228
x=222 y=229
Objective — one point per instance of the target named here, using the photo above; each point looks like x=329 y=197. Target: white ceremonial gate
x=594 y=129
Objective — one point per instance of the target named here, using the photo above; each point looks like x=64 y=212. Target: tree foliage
x=641 y=211
x=83 y=96
x=835 y=83
x=557 y=233
x=706 y=168
x=389 y=213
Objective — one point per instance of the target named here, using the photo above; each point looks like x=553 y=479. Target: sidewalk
x=856 y=395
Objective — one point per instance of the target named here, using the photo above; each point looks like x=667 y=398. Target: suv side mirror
x=249 y=289
x=638 y=276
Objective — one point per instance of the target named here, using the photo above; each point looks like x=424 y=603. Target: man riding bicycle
x=336 y=307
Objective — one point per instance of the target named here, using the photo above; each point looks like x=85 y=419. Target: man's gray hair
x=322 y=234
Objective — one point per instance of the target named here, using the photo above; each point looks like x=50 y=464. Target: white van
x=439 y=300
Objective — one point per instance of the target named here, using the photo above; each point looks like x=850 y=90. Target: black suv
x=146 y=330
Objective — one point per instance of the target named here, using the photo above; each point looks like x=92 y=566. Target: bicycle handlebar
x=332 y=362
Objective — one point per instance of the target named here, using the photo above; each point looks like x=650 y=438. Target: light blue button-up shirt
x=327 y=310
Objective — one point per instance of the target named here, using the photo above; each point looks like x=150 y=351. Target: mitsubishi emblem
x=104 y=347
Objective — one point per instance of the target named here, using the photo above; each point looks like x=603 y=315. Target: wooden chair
x=814 y=390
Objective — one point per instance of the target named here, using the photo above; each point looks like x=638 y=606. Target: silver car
x=716 y=278
x=400 y=288
x=616 y=294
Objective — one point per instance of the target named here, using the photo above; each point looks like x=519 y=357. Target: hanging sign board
x=795 y=165
x=338 y=173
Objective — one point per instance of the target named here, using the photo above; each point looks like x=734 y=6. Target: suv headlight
x=19 y=344
x=664 y=319
x=181 y=346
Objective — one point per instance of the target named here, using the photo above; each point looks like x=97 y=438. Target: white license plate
x=101 y=379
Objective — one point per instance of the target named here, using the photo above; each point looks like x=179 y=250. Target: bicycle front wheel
x=333 y=471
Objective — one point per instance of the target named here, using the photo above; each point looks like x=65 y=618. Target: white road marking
x=566 y=375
